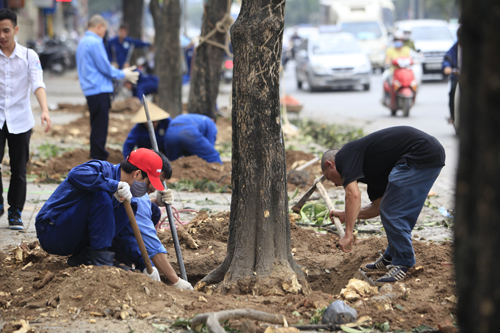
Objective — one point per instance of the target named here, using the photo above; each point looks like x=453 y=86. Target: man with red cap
x=84 y=217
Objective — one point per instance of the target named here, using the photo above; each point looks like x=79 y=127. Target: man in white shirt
x=20 y=70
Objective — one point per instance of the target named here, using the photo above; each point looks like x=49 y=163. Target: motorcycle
x=56 y=55
x=400 y=93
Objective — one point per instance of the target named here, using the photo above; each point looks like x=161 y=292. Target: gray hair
x=328 y=155
x=95 y=20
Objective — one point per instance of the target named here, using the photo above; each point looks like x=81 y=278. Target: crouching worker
x=82 y=217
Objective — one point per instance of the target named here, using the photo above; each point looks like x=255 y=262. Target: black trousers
x=99 y=106
x=19 y=152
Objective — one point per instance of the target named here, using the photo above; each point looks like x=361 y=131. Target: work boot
x=80 y=258
x=395 y=274
x=121 y=265
x=381 y=264
x=101 y=258
x=14 y=218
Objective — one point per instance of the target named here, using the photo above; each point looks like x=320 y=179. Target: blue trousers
x=90 y=222
x=186 y=141
x=401 y=204
x=145 y=86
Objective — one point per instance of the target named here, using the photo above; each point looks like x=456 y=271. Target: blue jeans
x=401 y=204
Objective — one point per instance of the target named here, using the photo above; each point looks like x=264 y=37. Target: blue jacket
x=122 y=49
x=451 y=59
x=94 y=70
x=192 y=134
x=139 y=137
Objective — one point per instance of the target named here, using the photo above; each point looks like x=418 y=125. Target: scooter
x=401 y=92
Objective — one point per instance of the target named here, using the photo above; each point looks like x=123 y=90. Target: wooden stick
x=305 y=165
x=329 y=204
x=138 y=236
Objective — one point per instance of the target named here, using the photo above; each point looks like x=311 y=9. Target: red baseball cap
x=149 y=162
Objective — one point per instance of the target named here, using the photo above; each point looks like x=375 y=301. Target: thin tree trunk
x=132 y=16
x=167 y=57
x=206 y=72
x=477 y=229
x=258 y=257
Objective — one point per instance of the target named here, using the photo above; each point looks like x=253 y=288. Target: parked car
x=432 y=37
x=332 y=60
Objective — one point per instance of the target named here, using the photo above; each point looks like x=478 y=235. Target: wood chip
x=202 y=299
x=97 y=314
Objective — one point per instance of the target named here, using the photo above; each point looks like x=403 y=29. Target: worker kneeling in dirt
x=192 y=134
x=399 y=165
x=139 y=134
x=85 y=215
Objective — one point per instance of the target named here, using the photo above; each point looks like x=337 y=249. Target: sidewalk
x=37 y=194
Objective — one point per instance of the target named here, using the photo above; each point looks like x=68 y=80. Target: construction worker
x=96 y=74
x=85 y=216
x=139 y=134
x=119 y=47
x=192 y=134
x=399 y=165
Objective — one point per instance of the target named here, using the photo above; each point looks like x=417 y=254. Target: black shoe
x=395 y=274
x=381 y=264
x=101 y=258
x=80 y=258
x=14 y=218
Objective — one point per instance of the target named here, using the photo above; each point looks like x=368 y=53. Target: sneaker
x=15 y=222
x=396 y=273
x=380 y=264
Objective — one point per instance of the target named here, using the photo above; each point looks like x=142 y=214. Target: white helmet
x=398 y=35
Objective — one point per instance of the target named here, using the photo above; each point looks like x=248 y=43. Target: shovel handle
x=329 y=204
x=138 y=236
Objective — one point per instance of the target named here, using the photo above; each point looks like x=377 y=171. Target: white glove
x=123 y=192
x=183 y=284
x=165 y=197
x=131 y=75
x=154 y=274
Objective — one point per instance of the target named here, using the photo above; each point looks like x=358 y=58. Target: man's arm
x=366 y=212
x=41 y=97
x=137 y=42
x=352 y=209
x=101 y=61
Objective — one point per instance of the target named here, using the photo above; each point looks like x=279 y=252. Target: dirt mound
x=58 y=167
x=194 y=167
x=35 y=284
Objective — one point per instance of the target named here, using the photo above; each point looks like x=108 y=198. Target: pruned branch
x=212 y=319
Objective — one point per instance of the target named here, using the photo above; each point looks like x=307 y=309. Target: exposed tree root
x=212 y=319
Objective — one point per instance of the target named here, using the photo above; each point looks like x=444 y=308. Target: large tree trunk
x=168 y=50
x=206 y=72
x=477 y=229
x=258 y=259
x=132 y=16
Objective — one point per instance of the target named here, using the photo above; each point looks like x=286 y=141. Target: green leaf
x=422 y=328
x=350 y=329
x=295 y=193
x=384 y=327
x=296 y=314
x=399 y=307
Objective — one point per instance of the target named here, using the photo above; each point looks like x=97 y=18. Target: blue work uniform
x=121 y=49
x=146 y=84
x=125 y=245
x=96 y=74
x=192 y=134
x=139 y=137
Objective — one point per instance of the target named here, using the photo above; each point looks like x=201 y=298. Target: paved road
x=364 y=109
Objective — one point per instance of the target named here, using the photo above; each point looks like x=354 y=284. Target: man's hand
x=346 y=242
x=123 y=192
x=164 y=197
x=183 y=284
x=447 y=70
x=338 y=213
x=154 y=274
x=46 y=120
x=131 y=75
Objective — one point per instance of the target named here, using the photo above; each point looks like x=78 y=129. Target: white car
x=432 y=37
x=332 y=60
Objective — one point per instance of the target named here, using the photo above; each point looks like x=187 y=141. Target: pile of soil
x=57 y=167
x=34 y=284
x=196 y=168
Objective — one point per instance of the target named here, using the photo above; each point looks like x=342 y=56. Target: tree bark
x=477 y=228
x=167 y=57
x=132 y=16
x=206 y=72
x=258 y=259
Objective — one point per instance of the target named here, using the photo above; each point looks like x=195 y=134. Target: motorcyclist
x=451 y=66
x=407 y=41
x=399 y=50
